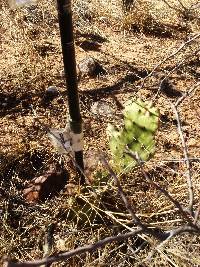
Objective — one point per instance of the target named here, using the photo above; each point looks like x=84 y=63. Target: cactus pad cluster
x=137 y=134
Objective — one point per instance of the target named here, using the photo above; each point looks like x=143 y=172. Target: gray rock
x=52 y=91
x=90 y=67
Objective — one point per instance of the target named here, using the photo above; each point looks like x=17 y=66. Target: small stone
x=87 y=66
x=90 y=67
x=4 y=104
x=52 y=91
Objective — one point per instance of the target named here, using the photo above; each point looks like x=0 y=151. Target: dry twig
x=185 y=44
x=122 y=194
x=197 y=215
x=162 y=190
x=187 y=162
x=66 y=255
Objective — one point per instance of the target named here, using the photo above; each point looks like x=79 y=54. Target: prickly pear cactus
x=140 y=125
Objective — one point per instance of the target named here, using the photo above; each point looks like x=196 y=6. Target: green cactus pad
x=140 y=125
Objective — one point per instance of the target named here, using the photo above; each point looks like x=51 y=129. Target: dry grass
x=133 y=43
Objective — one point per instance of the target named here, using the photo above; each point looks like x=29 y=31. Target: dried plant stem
x=157 y=233
x=122 y=194
x=182 y=5
x=185 y=44
x=170 y=6
x=197 y=215
x=187 y=162
x=162 y=190
x=66 y=255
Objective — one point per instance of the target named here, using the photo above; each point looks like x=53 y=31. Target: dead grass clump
x=147 y=17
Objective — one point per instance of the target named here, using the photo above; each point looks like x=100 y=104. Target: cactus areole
x=68 y=50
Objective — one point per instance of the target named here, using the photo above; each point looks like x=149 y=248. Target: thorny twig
x=187 y=162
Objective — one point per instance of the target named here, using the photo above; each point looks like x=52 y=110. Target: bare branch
x=122 y=194
x=197 y=215
x=172 y=7
x=157 y=233
x=92 y=247
x=185 y=44
x=162 y=190
x=182 y=229
x=170 y=72
x=187 y=162
x=66 y=255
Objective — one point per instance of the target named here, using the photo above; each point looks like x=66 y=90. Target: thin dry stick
x=197 y=215
x=180 y=230
x=122 y=194
x=66 y=255
x=182 y=5
x=158 y=187
x=92 y=247
x=172 y=7
x=172 y=55
x=173 y=160
x=170 y=72
x=187 y=162
x=157 y=233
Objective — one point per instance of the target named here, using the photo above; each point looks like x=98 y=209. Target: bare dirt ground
x=136 y=51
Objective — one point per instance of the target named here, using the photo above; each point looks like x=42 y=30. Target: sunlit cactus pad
x=140 y=125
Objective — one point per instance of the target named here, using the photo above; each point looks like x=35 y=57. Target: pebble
x=89 y=67
x=4 y=104
x=52 y=91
